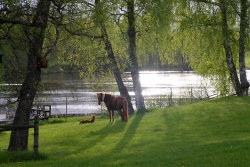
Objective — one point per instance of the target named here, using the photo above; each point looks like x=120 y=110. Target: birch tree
x=139 y=100
x=27 y=22
x=36 y=29
x=108 y=47
x=208 y=32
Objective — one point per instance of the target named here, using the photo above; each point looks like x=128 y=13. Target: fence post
x=36 y=133
x=66 y=107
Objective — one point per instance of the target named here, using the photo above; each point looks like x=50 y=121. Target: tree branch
x=54 y=44
x=89 y=4
x=235 y=9
x=206 y=1
x=80 y=33
x=14 y=21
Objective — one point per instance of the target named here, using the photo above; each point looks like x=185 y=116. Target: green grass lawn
x=208 y=133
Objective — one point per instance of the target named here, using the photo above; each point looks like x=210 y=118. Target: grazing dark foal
x=114 y=103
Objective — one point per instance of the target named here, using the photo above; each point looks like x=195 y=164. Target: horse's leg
x=121 y=114
x=123 y=118
x=109 y=115
x=113 y=115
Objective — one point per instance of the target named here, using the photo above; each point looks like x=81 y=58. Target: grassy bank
x=208 y=133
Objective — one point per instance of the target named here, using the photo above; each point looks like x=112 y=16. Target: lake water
x=81 y=99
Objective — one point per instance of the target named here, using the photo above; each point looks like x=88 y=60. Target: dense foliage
x=167 y=32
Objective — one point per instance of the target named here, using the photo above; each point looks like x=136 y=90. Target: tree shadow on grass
x=131 y=130
x=95 y=138
x=110 y=129
x=20 y=156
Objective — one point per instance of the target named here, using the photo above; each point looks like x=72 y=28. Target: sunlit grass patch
x=208 y=133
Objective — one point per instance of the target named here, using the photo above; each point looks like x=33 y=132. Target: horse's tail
x=125 y=110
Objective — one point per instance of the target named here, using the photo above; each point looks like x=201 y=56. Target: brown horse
x=114 y=103
x=88 y=121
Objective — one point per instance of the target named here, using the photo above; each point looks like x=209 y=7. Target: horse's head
x=99 y=98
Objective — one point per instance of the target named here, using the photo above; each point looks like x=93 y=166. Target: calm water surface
x=81 y=99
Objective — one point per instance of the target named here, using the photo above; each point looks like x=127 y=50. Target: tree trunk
x=108 y=47
x=227 y=47
x=123 y=90
x=139 y=100
x=242 y=44
x=19 y=138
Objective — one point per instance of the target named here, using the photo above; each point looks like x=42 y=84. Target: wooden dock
x=43 y=111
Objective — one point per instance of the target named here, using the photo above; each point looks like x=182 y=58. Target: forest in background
x=150 y=62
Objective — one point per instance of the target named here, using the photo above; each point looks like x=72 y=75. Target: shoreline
x=4 y=119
